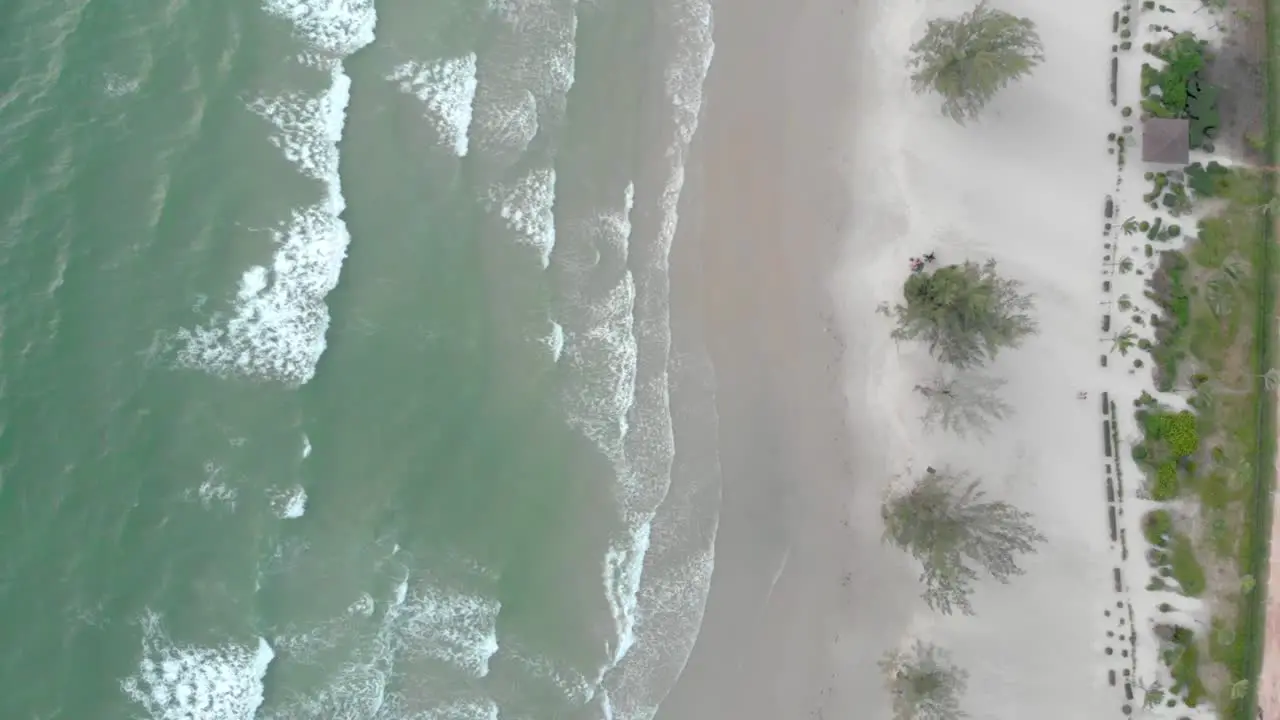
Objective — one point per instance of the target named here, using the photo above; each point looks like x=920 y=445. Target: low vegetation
x=1177 y=89
x=1207 y=348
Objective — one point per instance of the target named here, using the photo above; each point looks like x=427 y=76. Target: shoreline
x=772 y=205
x=823 y=174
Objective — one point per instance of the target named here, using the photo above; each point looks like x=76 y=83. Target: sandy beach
x=821 y=174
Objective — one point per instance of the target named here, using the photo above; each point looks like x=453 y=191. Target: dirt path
x=1269 y=674
x=1269 y=678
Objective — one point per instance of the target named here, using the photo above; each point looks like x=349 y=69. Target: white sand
x=1026 y=185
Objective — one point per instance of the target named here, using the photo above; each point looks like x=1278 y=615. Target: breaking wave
x=276 y=328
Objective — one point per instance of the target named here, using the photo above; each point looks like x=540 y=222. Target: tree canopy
x=945 y=522
x=924 y=684
x=968 y=59
x=966 y=313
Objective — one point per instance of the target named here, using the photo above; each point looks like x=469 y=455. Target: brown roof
x=1166 y=140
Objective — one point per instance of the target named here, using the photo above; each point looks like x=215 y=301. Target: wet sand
x=798 y=555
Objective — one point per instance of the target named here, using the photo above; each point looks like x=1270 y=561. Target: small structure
x=1166 y=141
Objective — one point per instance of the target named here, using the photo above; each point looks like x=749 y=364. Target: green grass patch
x=1186 y=567
x=1183 y=660
x=1157 y=527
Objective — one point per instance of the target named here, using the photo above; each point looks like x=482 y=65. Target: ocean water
x=337 y=374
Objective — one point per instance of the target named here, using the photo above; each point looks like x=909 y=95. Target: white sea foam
x=549 y=30
x=117 y=85
x=623 y=565
x=306 y=446
x=213 y=489
x=418 y=621
x=526 y=206
x=363 y=606
x=671 y=599
x=576 y=689
x=289 y=503
x=183 y=682
x=603 y=354
x=656 y=616
x=464 y=710
x=334 y=27
x=528 y=72
x=448 y=89
x=451 y=626
x=555 y=341
x=277 y=327
x=505 y=122
x=687 y=73
x=685 y=77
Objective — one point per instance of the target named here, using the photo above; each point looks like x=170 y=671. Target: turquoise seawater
x=337 y=377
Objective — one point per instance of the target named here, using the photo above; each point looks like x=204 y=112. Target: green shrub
x=1207 y=181
x=1184 y=666
x=1139 y=453
x=1186 y=568
x=1157 y=526
x=1179 y=431
x=1166 y=487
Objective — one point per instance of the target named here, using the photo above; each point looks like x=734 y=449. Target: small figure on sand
x=917 y=265
x=1082 y=395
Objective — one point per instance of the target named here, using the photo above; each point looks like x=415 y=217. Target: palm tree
x=1130 y=226
x=1220 y=290
x=1219 y=296
x=1124 y=341
x=968 y=59
x=1152 y=695
x=1270 y=379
